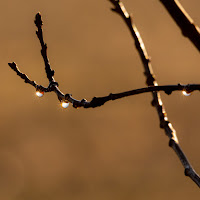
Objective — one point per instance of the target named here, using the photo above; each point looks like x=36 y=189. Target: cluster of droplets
x=64 y=104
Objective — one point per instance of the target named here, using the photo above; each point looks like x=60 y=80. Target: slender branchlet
x=39 y=33
x=183 y=20
x=23 y=76
x=99 y=101
x=157 y=102
x=153 y=87
x=96 y=101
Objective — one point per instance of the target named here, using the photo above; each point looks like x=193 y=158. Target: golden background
x=113 y=152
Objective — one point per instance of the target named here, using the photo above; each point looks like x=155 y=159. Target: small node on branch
x=25 y=77
x=75 y=105
x=78 y=104
x=67 y=96
x=38 y=20
x=188 y=171
x=52 y=86
x=168 y=91
x=114 y=10
x=163 y=123
x=150 y=79
x=44 y=47
x=53 y=73
x=153 y=102
x=83 y=101
x=98 y=101
x=171 y=142
x=129 y=19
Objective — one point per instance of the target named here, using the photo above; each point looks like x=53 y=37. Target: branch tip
x=38 y=20
x=13 y=66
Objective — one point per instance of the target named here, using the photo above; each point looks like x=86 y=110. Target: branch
x=99 y=101
x=26 y=79
x=183 y=20
x=23 y=76
x=157 y=102
x=53 y=85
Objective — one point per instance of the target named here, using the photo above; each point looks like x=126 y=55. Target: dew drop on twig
x=64 y=104
x=39 y=94
x=185 y=93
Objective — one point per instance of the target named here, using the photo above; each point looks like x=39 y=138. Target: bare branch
x=157 y=102
x=53 y=85
x=99 y=101
x=23 y=76
x=183 y=20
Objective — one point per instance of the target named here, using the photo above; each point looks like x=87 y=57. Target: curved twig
x=99 y=101
x=157 y=102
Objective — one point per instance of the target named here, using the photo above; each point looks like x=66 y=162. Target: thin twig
x=26 y=79
x=183 y=20
x=23 y=76
x=157 y=102
x=99 y=101
x=53 y=85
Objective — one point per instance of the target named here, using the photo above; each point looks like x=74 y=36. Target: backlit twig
x=99 y=101
x=183 y=20
x=157 y=102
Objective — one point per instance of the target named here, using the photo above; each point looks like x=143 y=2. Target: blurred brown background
x=113 y=152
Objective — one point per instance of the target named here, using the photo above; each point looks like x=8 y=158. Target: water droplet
x=39 y=94
x=64 y=104
x=185 y=93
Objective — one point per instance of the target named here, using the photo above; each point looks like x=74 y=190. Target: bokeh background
x=113 y=152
